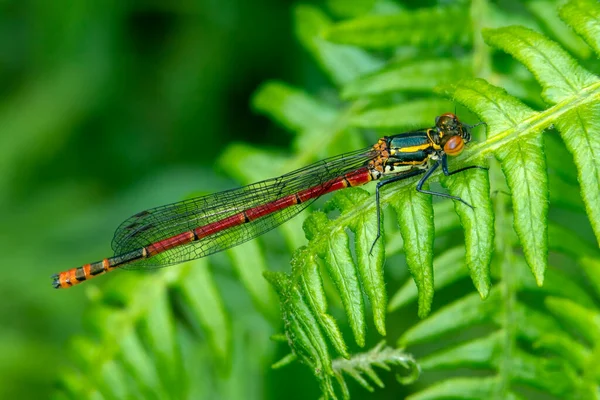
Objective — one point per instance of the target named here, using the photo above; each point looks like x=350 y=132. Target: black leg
x=428 y=174
x=475 y=125
x=378 y=204
x=444 y=162
x=448 y=173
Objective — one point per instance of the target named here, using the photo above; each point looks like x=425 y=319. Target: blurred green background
x=109 y=108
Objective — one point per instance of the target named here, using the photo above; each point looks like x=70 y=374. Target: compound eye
x=454 y=146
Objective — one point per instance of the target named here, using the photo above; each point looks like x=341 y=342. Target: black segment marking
x=96 y=268
x=80 y=274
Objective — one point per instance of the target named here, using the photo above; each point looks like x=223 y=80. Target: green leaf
x=404 y=116
x=287 y=360
x=553 y=376
x=204 y=301
x=592 y=269
x=559 y=74
x=524 y=166
x=582 y=319
x=238 y=156
x=548 y=15
x=292 y=107
x=369 y=252
x=161 y=338
x=139 y=363
x=474 y=188
x=448 y=267
x=464 y=388
x=302 y=329
x=421 y=75
x=342 y=63
x=556 y=283
x=416 y=28
x=470 y=309
x=583 y=16
x=480 y=353
x=343 y=271
x=415 y=218
x=488 y=353
x=569 y=242
x=567 y=348
x=305 y=270
x=250 y=274
x=580 y=129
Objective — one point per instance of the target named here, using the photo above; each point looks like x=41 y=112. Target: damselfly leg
x=378 y=202
x=443 y=161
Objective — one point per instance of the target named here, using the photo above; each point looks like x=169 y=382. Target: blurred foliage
x=112 y=108
x=108 y=108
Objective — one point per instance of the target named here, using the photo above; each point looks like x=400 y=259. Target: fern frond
x=295 y=109
x=585 y=357
x=360 y=366
x=582 y=16
x=146 y=346
x=415 y=76
x=403 y=116
x=342 y=63
x=548 y=16
x=334 y=250
x=416 y=226
x=417 y=28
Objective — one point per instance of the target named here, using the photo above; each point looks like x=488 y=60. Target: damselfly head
x=453 y=133
x=448 y=125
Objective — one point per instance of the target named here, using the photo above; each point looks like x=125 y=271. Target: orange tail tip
x=74 y=276
x=68 y=278
x=55 y=281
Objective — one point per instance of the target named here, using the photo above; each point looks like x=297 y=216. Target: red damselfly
x=198 y=227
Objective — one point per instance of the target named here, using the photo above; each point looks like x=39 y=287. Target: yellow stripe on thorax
x=412 y=149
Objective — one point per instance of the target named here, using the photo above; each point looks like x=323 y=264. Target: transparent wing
x=163 y=222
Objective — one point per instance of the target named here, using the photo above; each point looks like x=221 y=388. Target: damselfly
x=198 y=227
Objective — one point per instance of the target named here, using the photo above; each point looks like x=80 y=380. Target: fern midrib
x=537 y=123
